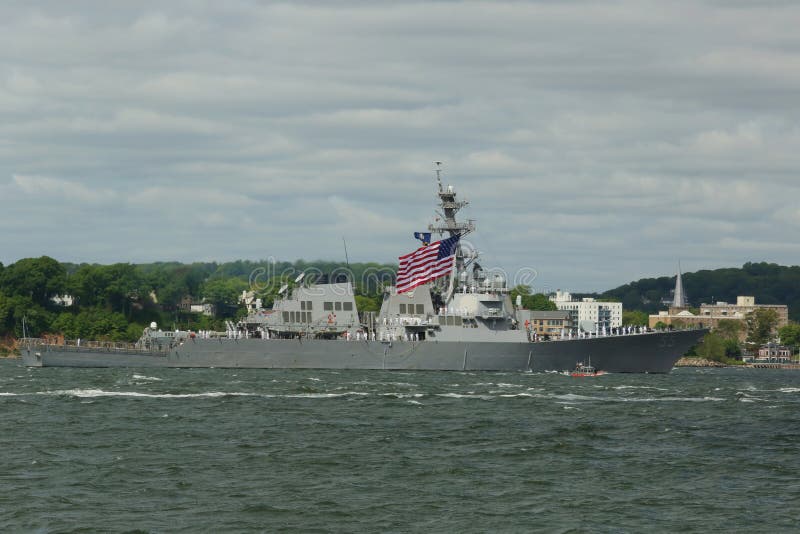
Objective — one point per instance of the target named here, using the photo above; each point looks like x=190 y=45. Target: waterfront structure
x=709 y=315
x=552 y=324
x=589 y=314
x=770 y=355
x=743 y=306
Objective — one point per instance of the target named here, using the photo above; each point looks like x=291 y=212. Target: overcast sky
x=597 y=142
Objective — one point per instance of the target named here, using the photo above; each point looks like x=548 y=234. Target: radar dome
x=153 y=325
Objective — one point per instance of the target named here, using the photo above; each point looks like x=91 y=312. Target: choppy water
x=314 y=451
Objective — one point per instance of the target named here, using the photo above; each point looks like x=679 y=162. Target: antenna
x=299 y=278
x=283 y=288
x=346 y=259
x=439 y=173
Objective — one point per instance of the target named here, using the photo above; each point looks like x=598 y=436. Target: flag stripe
x=435 y=272
x=422 y=250
x=411 y=272
x=435 y=267
x=421 y=259
x=426 y=263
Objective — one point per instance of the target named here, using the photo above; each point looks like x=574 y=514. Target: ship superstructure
x=467 y=304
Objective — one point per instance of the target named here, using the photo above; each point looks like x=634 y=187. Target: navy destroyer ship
x=444 y=313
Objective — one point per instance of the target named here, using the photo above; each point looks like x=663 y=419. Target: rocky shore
x=698 y=362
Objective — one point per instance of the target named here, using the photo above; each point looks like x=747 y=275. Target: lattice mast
x=449 y=206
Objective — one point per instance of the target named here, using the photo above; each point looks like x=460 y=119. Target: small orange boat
x=582 y=369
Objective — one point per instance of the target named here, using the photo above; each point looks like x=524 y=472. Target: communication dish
x=299 y=277
x=283 y=288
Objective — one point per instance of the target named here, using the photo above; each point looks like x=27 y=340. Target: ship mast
x=449 y=207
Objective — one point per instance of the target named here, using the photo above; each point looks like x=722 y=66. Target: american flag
x=426 y=263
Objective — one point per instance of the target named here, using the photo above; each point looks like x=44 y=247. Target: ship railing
x=80 y=345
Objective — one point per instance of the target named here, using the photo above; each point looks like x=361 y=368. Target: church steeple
x=679 y=300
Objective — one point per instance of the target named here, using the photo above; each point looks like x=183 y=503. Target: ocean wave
x=675 y=399
x=465 y=396
x=95 y=393
x=571 y=397
x=574 y=397
x=322 y=395
x=402 y=395
x=91 y=393
x=143 y=377
x=639 y=387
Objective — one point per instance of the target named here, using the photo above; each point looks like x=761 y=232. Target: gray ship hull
x=641 y=353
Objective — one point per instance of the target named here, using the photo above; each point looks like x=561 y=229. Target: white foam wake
x=92 y=393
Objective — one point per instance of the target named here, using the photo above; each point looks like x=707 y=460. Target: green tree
x=87 y=284
x=520 y=290
x=789 y=334
x=5 y=315
x=729 y=329
x=37 y=278
x=366 y=303
x=733 y=350
x=635 y=318
x=539 y=301
x=712 y=347
x=123 y=288
x=761 y=324
x=22 y=309
x=223 y=292
x=115 y=287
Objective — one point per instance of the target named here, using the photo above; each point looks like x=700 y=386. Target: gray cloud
x=597 y=142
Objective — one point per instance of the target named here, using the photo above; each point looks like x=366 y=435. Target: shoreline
x=700 y=362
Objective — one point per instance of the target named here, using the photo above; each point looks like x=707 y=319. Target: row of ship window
x=327 y=306
x=296 y=317
x=412 y=309
x=337 y=306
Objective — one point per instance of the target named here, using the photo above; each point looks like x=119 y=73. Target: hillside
x=769 y=283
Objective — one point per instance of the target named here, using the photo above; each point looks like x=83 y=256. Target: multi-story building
x=589 y=314
x=711 y=314
x=743 y=306
x=547 y=323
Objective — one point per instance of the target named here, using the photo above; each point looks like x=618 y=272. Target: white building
x=204 y=308
x=589 y=313
x=250 y=301
x=63 y=300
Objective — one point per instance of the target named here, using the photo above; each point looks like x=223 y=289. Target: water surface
x=187 y=450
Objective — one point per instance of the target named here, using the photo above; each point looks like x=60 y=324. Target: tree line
x=115 y=302
x=769 y=283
